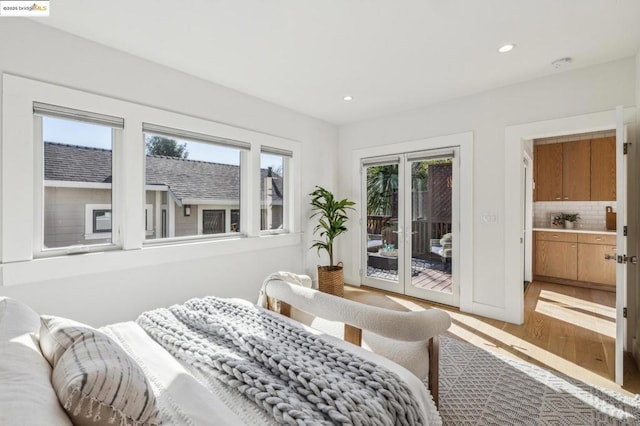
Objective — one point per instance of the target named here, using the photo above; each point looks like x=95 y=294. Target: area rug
x=478 y=387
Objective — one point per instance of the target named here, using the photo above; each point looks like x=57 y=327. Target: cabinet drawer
x=605 y=239
x=569 y=237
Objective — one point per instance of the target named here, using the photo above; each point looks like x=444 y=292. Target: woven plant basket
x=331 y=280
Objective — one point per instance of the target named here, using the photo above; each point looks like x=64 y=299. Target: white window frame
x=182 y=135
x=287 y=199
x=20 y=188
x=38 y=203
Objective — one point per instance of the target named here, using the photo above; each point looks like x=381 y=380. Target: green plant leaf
x=332 y=218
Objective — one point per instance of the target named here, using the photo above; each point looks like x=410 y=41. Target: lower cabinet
x=557 y=259
x=596 y=258
x=575 y=257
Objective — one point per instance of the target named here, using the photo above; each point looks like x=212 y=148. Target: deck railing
x=423 y=231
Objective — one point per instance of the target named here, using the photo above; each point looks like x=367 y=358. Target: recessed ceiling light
x=506 y=48
x=562 y=62
x=348 y=98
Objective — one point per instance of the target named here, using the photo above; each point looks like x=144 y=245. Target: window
x=235 y=220
x=102 y=221
x=273 y=189
x=77 y=177
x=213 y=221
x=51 y=212
x=193 y=182
x=97 y=221
x=148 y=219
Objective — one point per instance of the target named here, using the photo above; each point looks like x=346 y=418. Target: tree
x=382 y=183
x=158 y=145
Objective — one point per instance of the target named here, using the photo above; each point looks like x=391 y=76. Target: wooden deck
x=430 y=274
x=437 y=279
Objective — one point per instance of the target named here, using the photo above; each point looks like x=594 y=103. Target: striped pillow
x=95 y=380
x=58 y=334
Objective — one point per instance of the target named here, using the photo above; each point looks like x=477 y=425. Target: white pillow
x=95 y=380
x=26 y=394
x=446 y=239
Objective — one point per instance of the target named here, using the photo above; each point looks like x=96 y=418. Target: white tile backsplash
x=592 y=213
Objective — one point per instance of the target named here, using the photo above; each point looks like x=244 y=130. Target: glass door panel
x=430 y=212
x=381 y=186
x=412 y=209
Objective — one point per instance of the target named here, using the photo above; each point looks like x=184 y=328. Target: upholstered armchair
x=443 y=247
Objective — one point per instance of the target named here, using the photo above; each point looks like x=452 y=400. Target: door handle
x=626 y=259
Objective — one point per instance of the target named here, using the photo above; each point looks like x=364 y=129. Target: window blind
x=433 y=154
x=276 y=151
x=193 y=136
x=49 y=110
x=381 y=161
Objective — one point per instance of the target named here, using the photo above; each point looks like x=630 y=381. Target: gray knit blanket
x=292 y=374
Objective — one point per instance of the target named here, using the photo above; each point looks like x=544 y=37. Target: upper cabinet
x=548 y=172
x=603 y=169
x=576 y=165
x=583 y=170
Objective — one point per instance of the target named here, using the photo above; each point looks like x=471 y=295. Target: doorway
x=412 y=216
x=516 y=139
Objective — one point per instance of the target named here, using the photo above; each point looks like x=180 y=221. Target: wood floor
x=569 y=329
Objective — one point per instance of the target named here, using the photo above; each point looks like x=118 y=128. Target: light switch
x=489 y=217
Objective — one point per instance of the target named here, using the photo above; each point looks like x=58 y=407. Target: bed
x=168 y=373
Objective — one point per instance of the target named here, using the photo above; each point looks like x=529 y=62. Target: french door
x=412 y=217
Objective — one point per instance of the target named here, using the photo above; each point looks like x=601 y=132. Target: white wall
x=45 y=54
x=487 y=115
x=636 y=311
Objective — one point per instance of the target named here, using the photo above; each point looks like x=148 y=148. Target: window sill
x=61 y=267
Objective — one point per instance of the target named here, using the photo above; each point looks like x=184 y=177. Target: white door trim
x=515 y=137
x=464 y=141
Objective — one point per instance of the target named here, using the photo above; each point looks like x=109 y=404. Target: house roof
x=187 y=179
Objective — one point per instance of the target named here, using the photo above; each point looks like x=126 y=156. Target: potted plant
x=570 y=219
x=332 y=219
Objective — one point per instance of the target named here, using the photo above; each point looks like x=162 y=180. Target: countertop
x=578 y=230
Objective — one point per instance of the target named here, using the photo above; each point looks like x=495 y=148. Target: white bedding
x=186 y=396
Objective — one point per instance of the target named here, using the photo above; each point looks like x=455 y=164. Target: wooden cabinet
x=575 y=258
x=576 y=171
x=548 y=172
x=556 y=255
x=583 y=170
x=603 y=169
x=593 y=266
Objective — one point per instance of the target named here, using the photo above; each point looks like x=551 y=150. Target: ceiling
x=391 y=56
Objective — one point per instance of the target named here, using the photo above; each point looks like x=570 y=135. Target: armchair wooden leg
x=434 y=365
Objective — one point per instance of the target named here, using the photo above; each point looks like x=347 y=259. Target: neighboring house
x=183 y=197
